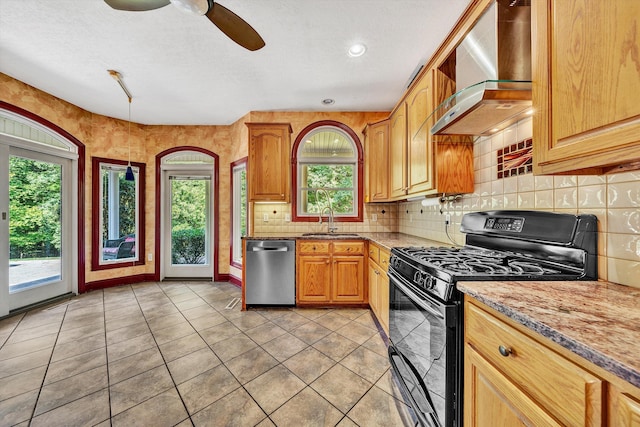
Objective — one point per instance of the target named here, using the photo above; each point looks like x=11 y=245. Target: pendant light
x=128 y=176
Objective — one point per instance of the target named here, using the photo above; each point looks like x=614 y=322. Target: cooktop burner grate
x=477 y=261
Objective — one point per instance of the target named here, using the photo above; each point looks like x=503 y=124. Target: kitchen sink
x=330 y=235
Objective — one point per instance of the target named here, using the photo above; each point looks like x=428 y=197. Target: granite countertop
x=598 y=321
x=387 y=240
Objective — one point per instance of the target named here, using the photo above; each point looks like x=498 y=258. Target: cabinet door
x=348 y=279
x=490 y=399
x=377 y=161
x=624 y=410
x=586 y=77
x=373 y=288
x=268 y=166
x=398 y=152
x=314 y=279
x=420 y=144
x=383 y=300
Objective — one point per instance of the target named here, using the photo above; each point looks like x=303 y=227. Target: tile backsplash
x=385 y=215
x=614 y=199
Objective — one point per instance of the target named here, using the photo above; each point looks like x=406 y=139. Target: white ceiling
x=180 y=69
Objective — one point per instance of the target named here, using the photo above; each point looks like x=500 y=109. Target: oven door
x=425 y=352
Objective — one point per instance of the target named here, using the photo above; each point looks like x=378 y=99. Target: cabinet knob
x=326 y=262
x=505 y=351
x=314 y=248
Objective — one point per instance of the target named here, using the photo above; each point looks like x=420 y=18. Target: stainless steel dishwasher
x=270 y=272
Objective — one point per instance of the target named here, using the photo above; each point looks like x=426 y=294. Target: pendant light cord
x=129 y=134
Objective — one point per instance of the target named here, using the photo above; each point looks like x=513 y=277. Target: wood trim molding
x=95 y=214
x=119 y=281
x=216 y=206
x=237 y=281
x=81 y=181
x=294 y=172
x=239 y=162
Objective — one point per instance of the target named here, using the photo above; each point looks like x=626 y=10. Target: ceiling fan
x=228 y=22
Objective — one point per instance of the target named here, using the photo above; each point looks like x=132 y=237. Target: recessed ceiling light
x=328 y=101
x=356 y=50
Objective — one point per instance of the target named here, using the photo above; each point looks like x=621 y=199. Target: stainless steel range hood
x=493 y=65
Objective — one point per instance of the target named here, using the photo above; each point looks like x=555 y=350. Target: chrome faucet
x=331 y=227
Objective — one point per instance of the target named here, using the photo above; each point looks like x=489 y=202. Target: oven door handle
x=418 y=300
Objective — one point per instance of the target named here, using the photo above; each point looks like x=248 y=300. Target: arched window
x=327 y=173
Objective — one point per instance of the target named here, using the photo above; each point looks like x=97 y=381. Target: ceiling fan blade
x=137 y=5
x=235 y=27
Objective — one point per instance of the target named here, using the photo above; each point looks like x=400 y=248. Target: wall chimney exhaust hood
x=493 y=65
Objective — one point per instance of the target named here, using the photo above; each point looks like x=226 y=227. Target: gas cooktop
x=504 y=245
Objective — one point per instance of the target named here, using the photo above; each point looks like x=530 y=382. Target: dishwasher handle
x=270 y=246
x=260 y=249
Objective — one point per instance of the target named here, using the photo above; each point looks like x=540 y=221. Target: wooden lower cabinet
x=379 y=284
x=330 y=272
x=510 y=374
x=516 y=377
x=314 y=278
x=624 y=409
x=348 y=279
x=492 y=399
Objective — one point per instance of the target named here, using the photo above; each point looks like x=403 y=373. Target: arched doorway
x=40 y=210
x=187 y=204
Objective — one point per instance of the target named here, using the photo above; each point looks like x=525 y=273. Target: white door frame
x=69 y=252
x=190 y=271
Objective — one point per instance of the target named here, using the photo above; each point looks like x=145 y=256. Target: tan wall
x=107 y=137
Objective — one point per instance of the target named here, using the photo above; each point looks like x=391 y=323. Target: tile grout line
x=33 y=411
x=175 y=386
x=106 y=354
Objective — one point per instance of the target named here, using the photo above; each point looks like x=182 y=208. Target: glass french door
x=187 y=225
x=35 y=227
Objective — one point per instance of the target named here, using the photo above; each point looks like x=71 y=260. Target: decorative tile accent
x=515 y=159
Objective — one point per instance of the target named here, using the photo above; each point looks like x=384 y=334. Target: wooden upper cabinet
x=419 y=143
x=268 y=164
x=398 y=152
x=377 y=161
x=586 y=75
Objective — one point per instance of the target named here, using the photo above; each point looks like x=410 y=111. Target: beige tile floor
x=172 y=354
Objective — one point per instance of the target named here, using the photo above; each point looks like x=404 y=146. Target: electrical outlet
x=265 y=217
x=374 y=217
x=150 y=256
x=287 y=217
x=411 y=218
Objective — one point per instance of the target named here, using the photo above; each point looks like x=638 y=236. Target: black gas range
x=425 y=320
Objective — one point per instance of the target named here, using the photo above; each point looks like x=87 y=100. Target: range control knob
x=421 y=278
x=430 y=283
x=417 y=278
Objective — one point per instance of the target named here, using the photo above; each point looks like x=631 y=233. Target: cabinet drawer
x=570 y=393
x=313 y=247
x=374 y=253
x=348 y=248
